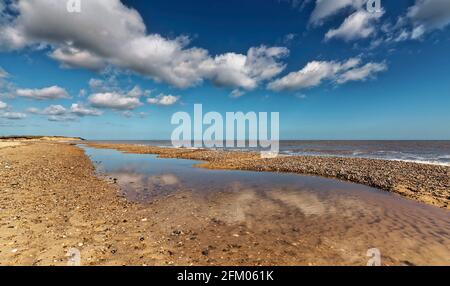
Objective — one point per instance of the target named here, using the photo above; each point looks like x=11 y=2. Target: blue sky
x=120 y=69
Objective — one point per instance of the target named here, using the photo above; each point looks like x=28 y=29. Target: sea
x=419 y=151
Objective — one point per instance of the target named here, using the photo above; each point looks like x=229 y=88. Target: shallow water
x=281 y=218
x=424 y=151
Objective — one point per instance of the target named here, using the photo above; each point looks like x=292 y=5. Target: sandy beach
x=224 y=133
x=52 y=201
x=9 y=144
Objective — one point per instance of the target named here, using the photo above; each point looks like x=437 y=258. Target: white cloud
x=108 y=94
x=111 y=83
x=60 y=113
x=130 y=114
x=11 y=38
x=245 y=71
x=430 y=14
x=236 y=93
x=13 y=115
x=421 y=18
x=72 y=57
x=109 y=33
x=262 y=64
x=228 y=70
x=114 y=100
x=96 y=84
x=402 y=36
x=361 y=73
x=327 y=8
x=311 y=75
x=54 y=110
x=53 y=92
x=138 y=92
x=356 y=26
x=316 y=72
x=3 y=105
x=61 y=118
x=163 y=99
x=81 y=110
x=418 y=32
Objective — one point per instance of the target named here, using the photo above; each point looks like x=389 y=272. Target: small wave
x=393 y=156
x=426 y=162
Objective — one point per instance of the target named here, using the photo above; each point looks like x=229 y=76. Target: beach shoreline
x=53 y=201
x=426 y=183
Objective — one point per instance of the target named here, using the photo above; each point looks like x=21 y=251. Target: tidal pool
x=242 y=217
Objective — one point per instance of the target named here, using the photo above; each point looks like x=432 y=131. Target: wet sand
x=52 y=200
x=425 y=183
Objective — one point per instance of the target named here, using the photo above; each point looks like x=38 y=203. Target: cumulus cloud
x=163 y=99
x=356 y=26
x=11 y=38
x=3 y=105
x=53 y=92
x=72 y=57
x=60 y=113
x=245 y=71
x=138 y=92
x=81 y=110
x=96 y=84
x=108 y=94
x=316 y=72
x=109 y=33
x=114 y=101
x=54 y=110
